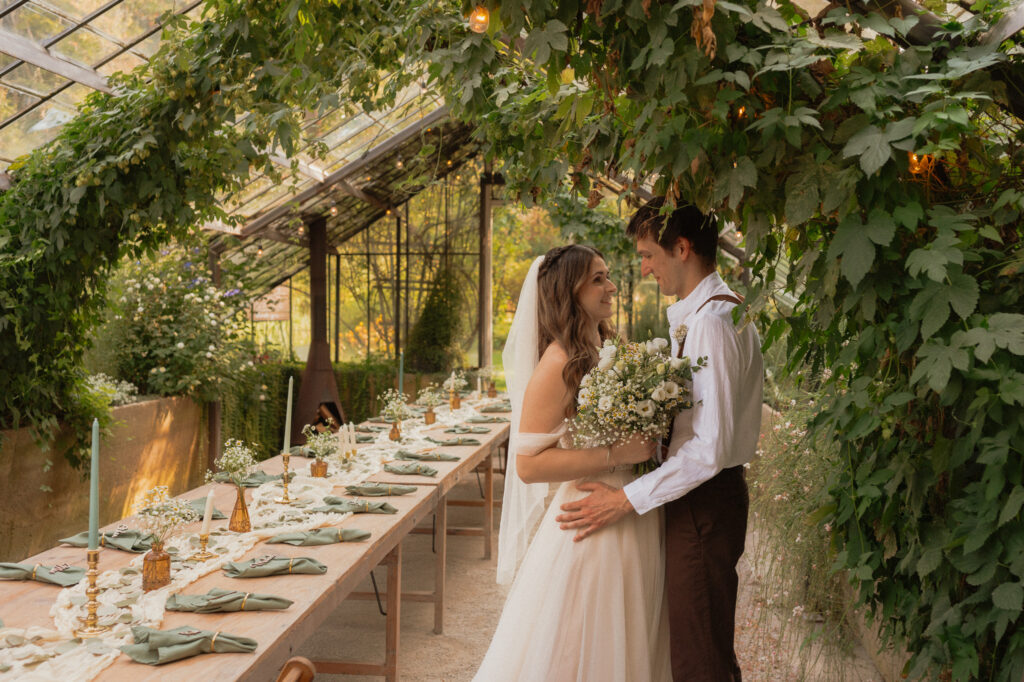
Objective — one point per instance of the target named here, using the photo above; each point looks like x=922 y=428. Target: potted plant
x=395 y=409
x=453 y=384
x=322 y=444
x=160 y=516
x=237 y=462
x=430 y=397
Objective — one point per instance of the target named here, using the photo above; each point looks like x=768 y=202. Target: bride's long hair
x=559 y=314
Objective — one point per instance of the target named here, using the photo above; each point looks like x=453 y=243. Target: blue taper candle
x=288 y=417
x=94 y=488
x=401 y=371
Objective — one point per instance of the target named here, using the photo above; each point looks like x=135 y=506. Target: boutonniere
x=679 y=334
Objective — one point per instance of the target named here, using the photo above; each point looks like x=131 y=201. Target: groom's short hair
x=686 y=221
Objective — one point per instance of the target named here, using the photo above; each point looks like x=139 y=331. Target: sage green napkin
x=339 y=505
x=499 y=407
x=468 y=429
x=218 y=600
x=413 y=468
x=126 y=540
x=61 y=574
x=268 y=564
x=369 y=428
x=253 y=480
x=378 y=419
x=487 y=420
x=200 y=507
x=320 y=536
x=156 y=647
x=461 y=440
x=300 y=451
x=426 y=456
x=364 y=438
x=379 y=489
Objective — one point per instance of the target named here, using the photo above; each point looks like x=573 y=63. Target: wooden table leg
x=394 y=602
x=488 y=504
x=440 y=559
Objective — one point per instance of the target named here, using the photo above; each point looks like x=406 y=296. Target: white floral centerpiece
x=456 y=382
x=430 y=396
x=395 y=405
x=159 y=514
x=321 y=444
x=237 y=461
x=636 y=388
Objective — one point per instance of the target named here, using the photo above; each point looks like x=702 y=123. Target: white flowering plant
x=159 y=514
x=113 y=391
x=321 y=444
x=456 y=382
x=486 y=373
x=395 y=405
x=431 y=396
x=236 y=462
x=636 y=388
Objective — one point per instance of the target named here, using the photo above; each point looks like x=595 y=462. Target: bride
x=587 y=611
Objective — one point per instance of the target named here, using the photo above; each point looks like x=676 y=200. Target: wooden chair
x=297 y=669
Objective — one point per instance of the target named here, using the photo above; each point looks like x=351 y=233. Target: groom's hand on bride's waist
x=603 y=506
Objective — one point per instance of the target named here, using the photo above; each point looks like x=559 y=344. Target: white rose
x=659 y=343
x=671 y=388
x=645 y=408
x=658 y=394
x=677 y=363
x=605 y=403
x=660 y=367
x=605 y=363
x=607 y=352
x=181 y=344
x=650 y=348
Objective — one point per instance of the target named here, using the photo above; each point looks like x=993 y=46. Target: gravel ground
x=768 y=645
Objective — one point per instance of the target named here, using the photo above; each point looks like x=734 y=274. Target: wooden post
x=213 y=409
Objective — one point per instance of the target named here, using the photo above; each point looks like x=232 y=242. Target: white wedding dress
x=589 y=611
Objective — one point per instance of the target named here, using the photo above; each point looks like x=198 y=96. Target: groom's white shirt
x=721 y=430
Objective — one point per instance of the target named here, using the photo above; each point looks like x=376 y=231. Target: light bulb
x=334 y=209
x=302 y=230
x=259 y=252
x=479 y=19
x=399 y=164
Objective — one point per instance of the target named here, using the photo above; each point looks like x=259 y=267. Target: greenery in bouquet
x=456 y=381
x=237 y=461
x=636 y=388
x=395 y=405
x=431 y=396
x=486 y=373
x=322 y=444
x=160 y=515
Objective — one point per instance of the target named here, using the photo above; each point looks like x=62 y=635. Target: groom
x=701 y=483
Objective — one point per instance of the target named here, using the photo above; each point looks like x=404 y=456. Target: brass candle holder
x=203 y=554
x=91 y=627
x=284 y=499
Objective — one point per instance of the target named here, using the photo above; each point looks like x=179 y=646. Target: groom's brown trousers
x=704 y=536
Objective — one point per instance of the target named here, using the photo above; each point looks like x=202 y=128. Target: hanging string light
x=259 y=252
x=479 y=19
x=334 y=209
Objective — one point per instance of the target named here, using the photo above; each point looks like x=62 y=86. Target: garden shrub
x=433 y=340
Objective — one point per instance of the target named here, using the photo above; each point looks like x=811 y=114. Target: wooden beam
x=31 y=52
x=346 y=186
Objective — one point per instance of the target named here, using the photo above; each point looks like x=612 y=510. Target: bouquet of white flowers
x=321 y=444
x=160 y=515
x=237 y=461
x=431 y=396
x=456 y=382
x=395 y=405
x=636 y=388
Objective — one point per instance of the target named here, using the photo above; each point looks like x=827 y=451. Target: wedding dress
x=589 y=611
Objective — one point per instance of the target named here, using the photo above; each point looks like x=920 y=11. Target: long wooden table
x=315 y=597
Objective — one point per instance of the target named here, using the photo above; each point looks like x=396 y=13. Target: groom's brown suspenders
x=705 y=532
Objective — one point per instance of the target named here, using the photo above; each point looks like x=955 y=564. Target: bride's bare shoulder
x=546 y=394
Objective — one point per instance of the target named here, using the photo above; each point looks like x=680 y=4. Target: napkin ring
x=34 y=569
x=340 y=539
x=244 y=599
x=290 y=562
x=214 y=640
x=367 y=503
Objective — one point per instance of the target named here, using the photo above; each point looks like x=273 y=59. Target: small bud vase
x=454 y=401
x=429 y=417
x=156 y=568
x=239 y=521
x=492 y=391
x=396 y=433
x=318 y=468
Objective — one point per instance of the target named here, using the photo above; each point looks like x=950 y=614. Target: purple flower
x=232 y=292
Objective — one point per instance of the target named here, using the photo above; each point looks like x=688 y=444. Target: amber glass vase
x=396 y=433
x=239 y=521
x=454 y=401
x=156 y=568
x=429 y=417
x=492 y=390
x=318 y=468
